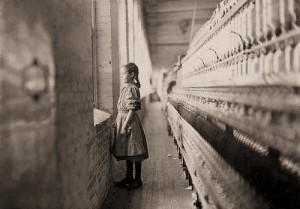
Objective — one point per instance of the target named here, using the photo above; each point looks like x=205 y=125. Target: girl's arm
x=133 y=103
x=127 y=121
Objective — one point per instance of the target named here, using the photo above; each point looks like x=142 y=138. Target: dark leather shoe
x=136 y=184
x=124 y=182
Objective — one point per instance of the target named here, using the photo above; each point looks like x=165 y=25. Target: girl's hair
x=131 y=67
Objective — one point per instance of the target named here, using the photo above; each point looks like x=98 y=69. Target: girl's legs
x=128 y=180
x=138 y=180
x=138 y=171
x=129 y=171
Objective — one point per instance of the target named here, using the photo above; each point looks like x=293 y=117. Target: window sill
x=100 y=116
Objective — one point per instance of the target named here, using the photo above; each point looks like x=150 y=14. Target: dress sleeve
x=132 y=98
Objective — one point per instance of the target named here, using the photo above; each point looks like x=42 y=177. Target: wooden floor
x=164 y=181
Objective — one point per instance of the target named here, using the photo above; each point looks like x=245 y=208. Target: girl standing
x=130 y=141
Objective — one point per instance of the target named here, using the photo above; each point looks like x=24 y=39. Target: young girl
x=130 y=141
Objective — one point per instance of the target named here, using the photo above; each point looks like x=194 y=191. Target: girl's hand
x=123 y=130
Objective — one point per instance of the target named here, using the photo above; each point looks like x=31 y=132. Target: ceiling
x=169 y=26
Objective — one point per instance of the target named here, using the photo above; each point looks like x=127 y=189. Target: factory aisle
x=165 y=186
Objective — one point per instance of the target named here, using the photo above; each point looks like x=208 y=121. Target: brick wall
x=107 y=54
x=85 y=162
x=52 y=156
x=108 y=87
x=99 y=167
x=115 y=53
x=123 y=36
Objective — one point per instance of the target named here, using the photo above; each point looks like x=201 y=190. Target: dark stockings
x=129 y=172
x=128 y=181
x=138 y=170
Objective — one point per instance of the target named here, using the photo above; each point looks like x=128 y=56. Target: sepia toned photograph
x=149 y=104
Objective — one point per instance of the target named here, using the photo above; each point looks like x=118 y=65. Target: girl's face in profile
x=126 y=76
